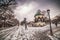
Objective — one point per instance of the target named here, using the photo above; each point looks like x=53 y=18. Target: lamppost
x=48 y=11
x=25 y=23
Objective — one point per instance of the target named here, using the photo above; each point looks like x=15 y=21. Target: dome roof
x=38 y=13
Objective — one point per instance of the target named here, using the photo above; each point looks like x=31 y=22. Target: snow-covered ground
x=19 y=32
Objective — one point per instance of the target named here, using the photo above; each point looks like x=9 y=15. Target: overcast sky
x=28 y=8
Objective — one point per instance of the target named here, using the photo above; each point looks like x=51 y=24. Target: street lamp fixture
x=48 y=11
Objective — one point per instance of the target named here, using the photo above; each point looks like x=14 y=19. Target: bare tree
x=6 y=10
x=56 y=20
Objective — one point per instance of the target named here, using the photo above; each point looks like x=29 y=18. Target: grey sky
x=28 y=8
